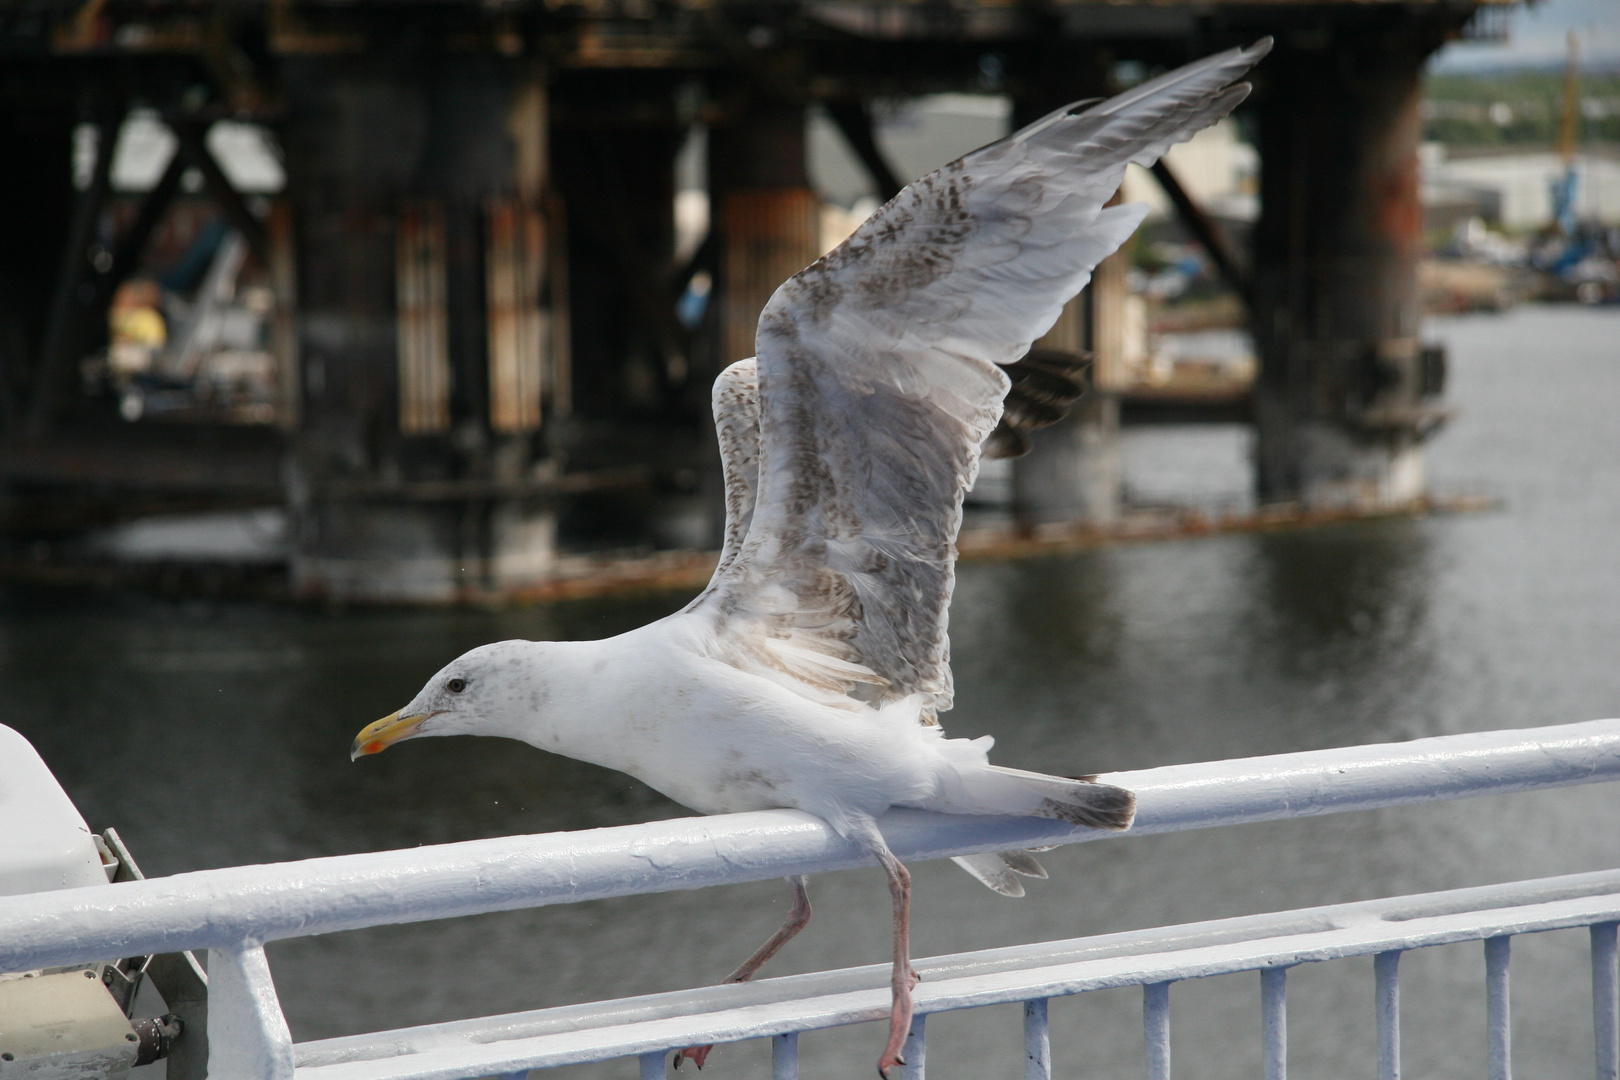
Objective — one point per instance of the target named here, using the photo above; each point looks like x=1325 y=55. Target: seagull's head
x=482 y=692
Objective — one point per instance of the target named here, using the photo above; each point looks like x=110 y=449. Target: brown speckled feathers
x=880 y=375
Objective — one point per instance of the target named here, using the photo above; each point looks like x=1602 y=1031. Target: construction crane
x=1564 y=185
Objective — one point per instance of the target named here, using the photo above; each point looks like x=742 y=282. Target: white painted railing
x=233 y=912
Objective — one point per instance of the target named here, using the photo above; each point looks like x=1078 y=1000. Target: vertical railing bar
x=1037 y=1041
x=521 y=1074
x=785 y=1056
x=1156 y=1029
x=915 y=1050
x=1498 y=1018
x=652 y=1066
x=1387 y=994
x=248 y=1038
x=1274 y=1022
x=1606 y=999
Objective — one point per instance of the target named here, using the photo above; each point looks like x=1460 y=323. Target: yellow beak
x=376 y=737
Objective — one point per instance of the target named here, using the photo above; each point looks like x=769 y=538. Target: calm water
x=212 y=734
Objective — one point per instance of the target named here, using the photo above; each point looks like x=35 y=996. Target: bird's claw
x=697 y=1055
x=887 y=1062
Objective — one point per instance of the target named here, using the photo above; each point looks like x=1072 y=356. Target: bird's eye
x=456 y=686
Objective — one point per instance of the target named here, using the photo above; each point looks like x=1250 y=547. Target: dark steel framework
x=475 y=250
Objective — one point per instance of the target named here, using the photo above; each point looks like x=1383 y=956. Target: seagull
x=811 y=671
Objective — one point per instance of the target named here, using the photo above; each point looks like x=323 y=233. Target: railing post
x=247 y=1033
x=1387 y=994
x=652 y=1066
x=785 y=1056
x=915 y=1051
x=1037 y=1041
x=1274 y=1022
x=1606 y=1000
x=1498 y=1016
x=1156 y=1029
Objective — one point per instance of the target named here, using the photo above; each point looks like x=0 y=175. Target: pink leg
x=797 y=918
x=904 y=977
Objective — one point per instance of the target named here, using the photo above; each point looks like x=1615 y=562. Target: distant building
x=1515 y=189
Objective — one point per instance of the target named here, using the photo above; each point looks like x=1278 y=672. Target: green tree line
x=1518 y=108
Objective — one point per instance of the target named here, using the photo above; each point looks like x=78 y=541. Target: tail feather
x=999 y=870
x=991 y=872
x=1022 y=862
x=994 y=789
x=982 y=788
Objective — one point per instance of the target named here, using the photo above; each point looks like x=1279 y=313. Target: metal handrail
x=233 y=911
x=566 y=1035
x=228 y=906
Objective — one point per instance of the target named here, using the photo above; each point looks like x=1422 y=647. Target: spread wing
x=880 y=375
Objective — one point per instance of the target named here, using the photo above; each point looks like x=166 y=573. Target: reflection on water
x=212 y=734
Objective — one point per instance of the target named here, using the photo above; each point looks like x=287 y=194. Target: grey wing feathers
x=879 y=377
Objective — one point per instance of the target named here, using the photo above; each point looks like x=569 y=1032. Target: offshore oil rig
x=463 y=312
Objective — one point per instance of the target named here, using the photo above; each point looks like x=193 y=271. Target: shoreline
x=584 y=576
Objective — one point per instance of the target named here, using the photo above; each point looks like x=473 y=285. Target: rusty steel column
x=416 y=188
x=765 y=226
x=615 y=149
x=1345 y=396
x=36 y=209
x=1072 y=473
x=766 y=219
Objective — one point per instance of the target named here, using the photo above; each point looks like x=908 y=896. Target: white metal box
x=44 y=842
